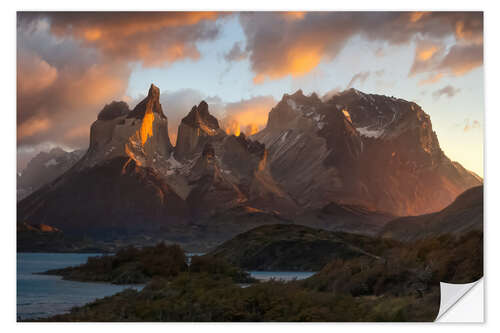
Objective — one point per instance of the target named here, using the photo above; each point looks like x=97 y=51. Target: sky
x=69 y=65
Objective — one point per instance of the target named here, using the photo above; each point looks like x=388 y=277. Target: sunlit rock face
x=356 y=148
x=195 y=130
x=140 y=134
x=402 y=168
x=351 y=155
x=131 y=181
x=121 y=183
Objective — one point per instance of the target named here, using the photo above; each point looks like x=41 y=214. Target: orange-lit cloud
x=433 y=78
x=247 y=116
x=34 y=74
x=61 y=88
x=70 y=64
x=32 y=127
x=290 y=44
x=431 y=58
x=294 y=15
x=152 y=38
x=416 y=16
x=462 y=59
x=427 y=54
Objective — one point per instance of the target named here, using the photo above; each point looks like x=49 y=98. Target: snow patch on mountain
x=370 y=133
x=50 y=162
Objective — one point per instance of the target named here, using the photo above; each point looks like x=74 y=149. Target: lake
x=47 y=295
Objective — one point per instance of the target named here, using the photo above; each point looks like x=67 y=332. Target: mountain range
x=44 y=168
x=349 y=163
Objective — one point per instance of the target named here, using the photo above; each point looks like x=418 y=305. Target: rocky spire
x=195 y=130
x=141 y=134
x=152 y=100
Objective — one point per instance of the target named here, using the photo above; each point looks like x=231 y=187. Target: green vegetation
x=296 y=248
x=132 y=265
x=392 y=282
x=201 y=297
x=413 y=269
x=129 y=265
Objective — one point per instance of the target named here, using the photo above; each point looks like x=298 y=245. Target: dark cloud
x=462 y=58
x=281 y=44
x=449 y=91
x=433 y=58
x=57 y=95
x=151 y=38
x=70 y=64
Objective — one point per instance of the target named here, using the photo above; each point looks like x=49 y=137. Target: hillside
x=463 y=215
x=295 y=248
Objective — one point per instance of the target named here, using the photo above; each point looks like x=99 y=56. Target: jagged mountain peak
x=195 y=130
x=140 y=134
x=152 y=102
x=366 y=149
x=200 y=117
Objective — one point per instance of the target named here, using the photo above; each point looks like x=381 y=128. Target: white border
x=8 y=150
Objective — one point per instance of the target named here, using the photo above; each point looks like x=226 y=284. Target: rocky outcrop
x=375 y=151
x=195 y=130
x=117 y=186
x=113 y=110
x=140 y=135
x=351 y=163
x=131 y=182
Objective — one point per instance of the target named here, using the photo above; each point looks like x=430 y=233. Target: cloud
x=248 y=115
x=426 y=53
x=70 y=64
x=329 y=94
x=471 y=125
x=151 y=38
x=449 y=91
x=177 y=104
x=279 y=46
x=462 y=59
x=60 y=86
x=359 y=77
x=35 y=74
x=236 y=53
x=432 y=58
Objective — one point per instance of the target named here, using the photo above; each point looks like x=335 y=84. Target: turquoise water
x=46 y=295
